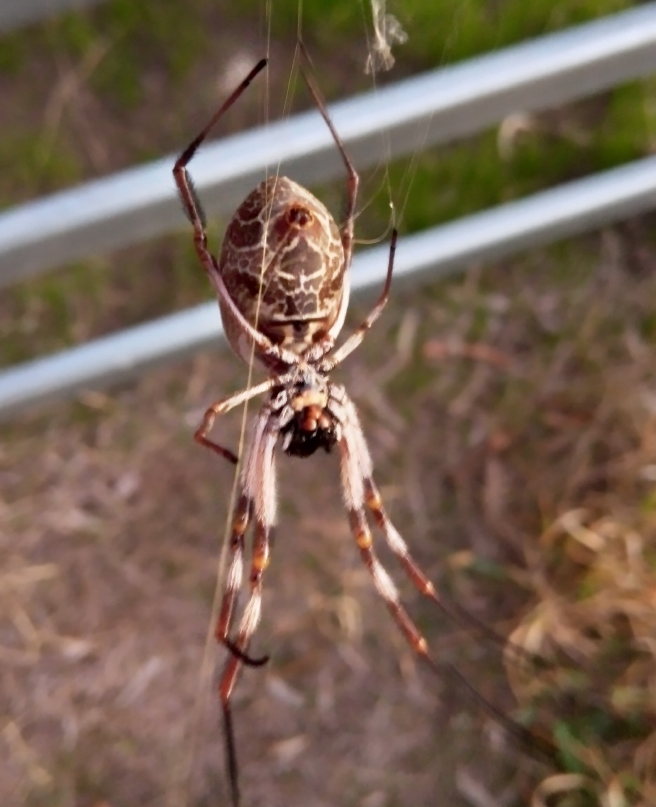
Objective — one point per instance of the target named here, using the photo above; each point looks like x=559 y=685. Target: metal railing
x=438 y=106
x=17 y=13
x=540 y=219
x=435 y=107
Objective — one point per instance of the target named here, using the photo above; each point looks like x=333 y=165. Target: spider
x=282 y=284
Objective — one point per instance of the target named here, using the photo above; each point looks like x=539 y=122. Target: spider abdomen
x=282 y=262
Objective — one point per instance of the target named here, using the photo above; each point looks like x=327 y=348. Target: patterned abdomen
x=282 y=261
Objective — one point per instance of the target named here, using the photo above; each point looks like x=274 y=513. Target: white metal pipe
x=16 y=13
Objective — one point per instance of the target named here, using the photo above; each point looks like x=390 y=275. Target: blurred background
x=511 y=413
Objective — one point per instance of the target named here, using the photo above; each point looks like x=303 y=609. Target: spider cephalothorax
x=282 y=285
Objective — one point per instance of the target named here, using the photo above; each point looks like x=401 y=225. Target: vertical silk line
x=209 y=649
x=205 y=689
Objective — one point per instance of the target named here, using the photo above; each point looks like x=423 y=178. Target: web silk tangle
x=282 y=283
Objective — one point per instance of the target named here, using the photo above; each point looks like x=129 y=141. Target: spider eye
x=300 y=216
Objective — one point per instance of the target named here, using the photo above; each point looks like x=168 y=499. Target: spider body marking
x=282 y=262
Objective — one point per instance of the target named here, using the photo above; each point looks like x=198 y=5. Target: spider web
x=381 y=31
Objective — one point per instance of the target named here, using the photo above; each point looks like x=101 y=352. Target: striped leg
x=352 y=483
x=240 y=521
x=355 y=339
x=419 y=580
x=258 y=501
x=373 y=500
x=359 y=490
x=247 y=627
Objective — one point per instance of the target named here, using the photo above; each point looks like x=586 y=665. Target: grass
x=511 y=414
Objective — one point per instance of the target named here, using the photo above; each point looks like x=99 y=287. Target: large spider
x=283 y=288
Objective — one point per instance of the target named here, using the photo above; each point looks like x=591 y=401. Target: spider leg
x=190 y=202
x=355 y=339
x=399 y=547
x=240 y=522
x=353 y=488
x=247 y=627
x=425 y=586
x=354 y=459
x=249 y=661
x=353 y=177
x=194 y=212
x=346 y=229
x=222 y=406
x=258 y=501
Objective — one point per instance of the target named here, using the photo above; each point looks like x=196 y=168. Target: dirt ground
x=495 y=404
x=111 y=540
x=111 y=527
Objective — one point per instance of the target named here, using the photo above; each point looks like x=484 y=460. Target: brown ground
x=110 y=556
x=111 y=523
x=493 y=403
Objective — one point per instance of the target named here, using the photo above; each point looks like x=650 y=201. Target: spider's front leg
x=353 y=178
x=360 y=492
x=257 y=501
x=357 y=469
x=360 y=482
x=190 y=202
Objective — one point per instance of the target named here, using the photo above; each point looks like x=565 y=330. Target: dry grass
x=607 y=728
x=109 y=532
